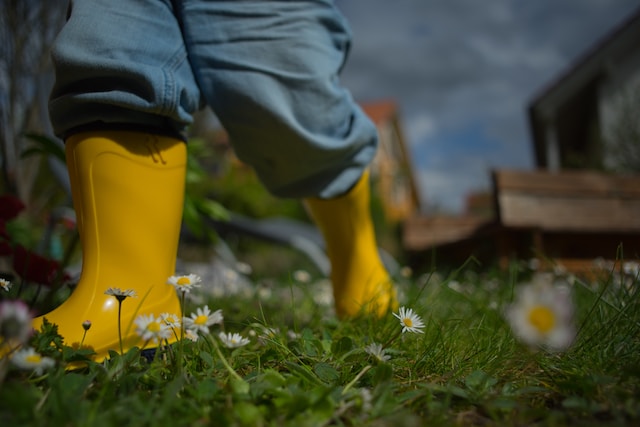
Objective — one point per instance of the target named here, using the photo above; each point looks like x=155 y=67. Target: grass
x=304 y=368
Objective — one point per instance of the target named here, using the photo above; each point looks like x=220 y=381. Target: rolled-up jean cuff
x=129 y=127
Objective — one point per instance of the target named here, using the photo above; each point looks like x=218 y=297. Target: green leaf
x=326 y=372
x=45 y=146
x=212 y=209
x=303 y=373
x=268 y=383
x=207 y=359
x=479 y=381
x=206 y=389
x=311 y=347
x=342 y=346
x=239 y=386
x=273 y=378
x=70 y=354
x=191 y=217
x=247 y=414
x=501 y=404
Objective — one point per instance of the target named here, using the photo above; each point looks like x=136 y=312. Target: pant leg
x=269 y=70
x=122 y=63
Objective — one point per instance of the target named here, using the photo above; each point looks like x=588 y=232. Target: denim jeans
x=268 y=69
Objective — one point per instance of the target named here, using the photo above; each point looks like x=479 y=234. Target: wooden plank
x=583 y=201
x=421 y=233
x=568 y=213
x=585 y=183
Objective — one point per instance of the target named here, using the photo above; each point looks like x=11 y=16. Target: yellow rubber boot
x=128 y=191
x=361 y=284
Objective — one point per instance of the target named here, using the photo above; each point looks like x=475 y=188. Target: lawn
x=461 y=363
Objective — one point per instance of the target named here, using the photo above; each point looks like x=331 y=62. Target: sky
x=463 y=73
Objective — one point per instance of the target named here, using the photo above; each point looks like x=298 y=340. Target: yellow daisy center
x=153 y=327
x=201 y=320
x=184 y=281
x=407 y=322
x=542 y=318
x=34 y=358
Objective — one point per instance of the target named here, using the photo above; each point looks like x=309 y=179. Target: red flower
x=10 y=207
x=36 y=268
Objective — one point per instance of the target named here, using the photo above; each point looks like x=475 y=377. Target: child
x=129 y=76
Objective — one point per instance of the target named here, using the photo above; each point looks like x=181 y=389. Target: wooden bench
x=572 y=217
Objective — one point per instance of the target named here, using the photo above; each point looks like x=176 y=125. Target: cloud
x=463 y=73
x=420 y=127
x=448 y=188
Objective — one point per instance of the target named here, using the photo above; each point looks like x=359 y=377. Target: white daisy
x=202 y=319
x=5 y=284
x=456 y=286
x=191 y=335
x=323 y=293
x=406 y=272
x=376 y=350
x=185 y=283
x=266 y=334
x=15 y=321
x=409 y=320
x=302 y=276
x=150 y=328
x=269 y=333
x=171 y=320
x=244 y=268
x=120 y=294
x=27 y=358
x=542 y=315
x=292 y=335
x=233 y=340
x=631 y=268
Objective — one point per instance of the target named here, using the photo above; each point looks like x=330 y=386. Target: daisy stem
x=181 y=340
x=84 y=335
x=120 y=326
x=392 y=339
x=168 y=349
x=182 y=307
x=356 y=378
x=224 y=361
